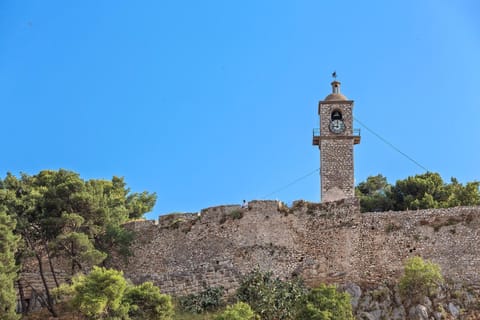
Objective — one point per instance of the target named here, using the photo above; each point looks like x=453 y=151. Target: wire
x=291 y=183
x=316 y=170
x=391 y=145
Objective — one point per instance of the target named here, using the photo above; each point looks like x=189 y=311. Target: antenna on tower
x=334 y=75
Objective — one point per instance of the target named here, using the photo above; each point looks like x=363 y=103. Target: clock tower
x=335 y=138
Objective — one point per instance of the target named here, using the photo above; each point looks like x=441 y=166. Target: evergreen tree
x=99 y=294
x=374 y=194
x=422 y=191
x=8 y=269
x=61 y=215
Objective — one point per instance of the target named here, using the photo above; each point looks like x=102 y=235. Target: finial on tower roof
x=335 y=86
x=335 y=95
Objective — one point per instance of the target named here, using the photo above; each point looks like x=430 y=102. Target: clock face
x=337 y=126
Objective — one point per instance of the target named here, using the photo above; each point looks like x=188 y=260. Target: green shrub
x=239 y=311
x=99 y=294
x=421 y=278
x=208 y=300
x=147 y=303
x=105 y=294
x=326 y=303
x=269 y=297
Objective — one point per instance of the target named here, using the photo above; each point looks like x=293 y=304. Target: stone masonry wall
x=328 y=242
x=336 y=152
x=336 y=171
x=325 y=111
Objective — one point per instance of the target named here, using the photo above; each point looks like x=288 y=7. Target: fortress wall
x=328 y=242
x=448 y=237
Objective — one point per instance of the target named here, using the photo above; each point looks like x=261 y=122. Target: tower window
x=336 y=115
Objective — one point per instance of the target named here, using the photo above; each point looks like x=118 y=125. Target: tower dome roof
x=335 y=95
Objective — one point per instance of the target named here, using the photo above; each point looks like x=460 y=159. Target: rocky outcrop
x=452 y=301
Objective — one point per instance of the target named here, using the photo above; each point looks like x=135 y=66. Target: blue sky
x=212 y=102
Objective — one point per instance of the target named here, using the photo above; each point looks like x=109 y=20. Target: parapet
x=217 y=214
x=170 y=220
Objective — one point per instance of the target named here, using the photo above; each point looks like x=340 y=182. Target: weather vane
x=334 y=75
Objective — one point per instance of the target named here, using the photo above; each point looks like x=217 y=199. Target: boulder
x=368 y=316
x=355 y=293
x=398 y=313
x=365 y=302
x=418 y=312
x=454 y=310
x=427 y=303
x=438 y=315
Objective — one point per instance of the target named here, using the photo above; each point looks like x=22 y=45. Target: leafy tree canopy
x=59 y=214
x=99 y=294
x=147 y=303
x=421 y=278
x=375 y=194
x=326 y=303
x=271 y=298
x=62 y=210
x=105 y=294
x=8 y=269
x=422 y=191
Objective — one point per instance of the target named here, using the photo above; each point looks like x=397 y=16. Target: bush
x=421 y=278
x=271 y=298
x=105 y=294
x=145 y=302
x=239 y=311
x=99 y=294
x=208 y=300
x=326 y=303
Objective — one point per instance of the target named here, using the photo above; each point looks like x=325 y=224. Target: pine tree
x=8 y=269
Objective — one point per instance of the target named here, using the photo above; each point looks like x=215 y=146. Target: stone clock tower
x=335 y=139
